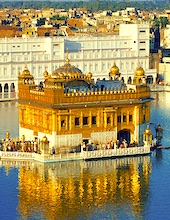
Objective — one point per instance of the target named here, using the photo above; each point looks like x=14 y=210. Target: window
x=124 y=118
x=119 y=118
x=96 y=66
x=142 y=42
x=142 y=49
x=144 y=118
x=108 y=120
x=103 y=66
x=93 y=120
x=142 y=31
x=77 y=121
x=63 y=123
x=130 y=118
x=85 y=120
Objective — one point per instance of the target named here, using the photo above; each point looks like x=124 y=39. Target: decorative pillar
x=115 y=122
x=9 y=91
x=53 y=121
x=23 y=142
x=147 y=137
x=7 y=135
x=2 y=90
x=136 y=124
x=70 y=122
x=59 y=122
x=105 y=120
x=53 y=128
x=67 y=122
x=44 y=148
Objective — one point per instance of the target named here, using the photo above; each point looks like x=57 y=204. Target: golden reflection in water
x=76 y=189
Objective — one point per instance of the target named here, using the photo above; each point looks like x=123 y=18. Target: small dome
x=114 y=70
x=45 y=74
x=139 y=71
x=23 y=138
x=44 y=139
x=89 y=75
x=7 y=134
x=148 y=131
x=25 y=71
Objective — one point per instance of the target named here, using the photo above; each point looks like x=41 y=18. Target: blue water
x=128 y=188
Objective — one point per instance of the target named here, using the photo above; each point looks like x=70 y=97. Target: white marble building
x=95 y=54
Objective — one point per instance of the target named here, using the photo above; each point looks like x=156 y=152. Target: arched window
x=130 y=80
x=12 y=89
x=6 y=87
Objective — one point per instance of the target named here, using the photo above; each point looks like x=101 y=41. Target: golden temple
x=70 y=108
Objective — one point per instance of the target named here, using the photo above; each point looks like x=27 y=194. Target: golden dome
x=139 y=71
x=7 y=134
x=67 y=71
x=147 y=131
x=45 y=74
x=44 y=139
x=114 y=70
x=89 y=75
x=23 y=138
x=25 y=71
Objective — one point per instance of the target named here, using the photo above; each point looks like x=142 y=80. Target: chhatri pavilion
x=69 y=107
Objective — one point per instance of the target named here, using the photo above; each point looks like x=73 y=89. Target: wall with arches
x=8 y=90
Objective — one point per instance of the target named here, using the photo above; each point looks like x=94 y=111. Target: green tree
x=156 y=23
x=164 y=21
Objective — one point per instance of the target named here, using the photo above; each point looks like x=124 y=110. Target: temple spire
x=67 y=59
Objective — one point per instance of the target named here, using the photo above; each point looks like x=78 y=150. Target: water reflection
x=9 y=118
x=82 y=190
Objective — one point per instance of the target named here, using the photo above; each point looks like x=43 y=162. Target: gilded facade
x=69 y=107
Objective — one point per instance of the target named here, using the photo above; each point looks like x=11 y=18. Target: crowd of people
x=11 y=145
x=109 y=145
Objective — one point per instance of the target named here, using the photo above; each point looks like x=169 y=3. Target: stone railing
x=16 y=155
x=116 y=152
x=85 y=155
x=58 y=157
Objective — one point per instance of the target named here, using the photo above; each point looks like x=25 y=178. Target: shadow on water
x=158 y=155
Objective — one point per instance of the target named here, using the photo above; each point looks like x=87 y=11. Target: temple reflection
x=76 y=190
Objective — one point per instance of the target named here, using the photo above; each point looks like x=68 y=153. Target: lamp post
x=159 y=134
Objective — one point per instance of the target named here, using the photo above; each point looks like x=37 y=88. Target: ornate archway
x=124 y=134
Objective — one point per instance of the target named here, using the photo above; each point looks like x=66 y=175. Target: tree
x=164 y=21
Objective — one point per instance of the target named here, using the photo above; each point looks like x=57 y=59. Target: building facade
x=69 y=108
x=94 y=54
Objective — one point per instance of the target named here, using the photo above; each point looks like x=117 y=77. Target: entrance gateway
x=124 y=135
